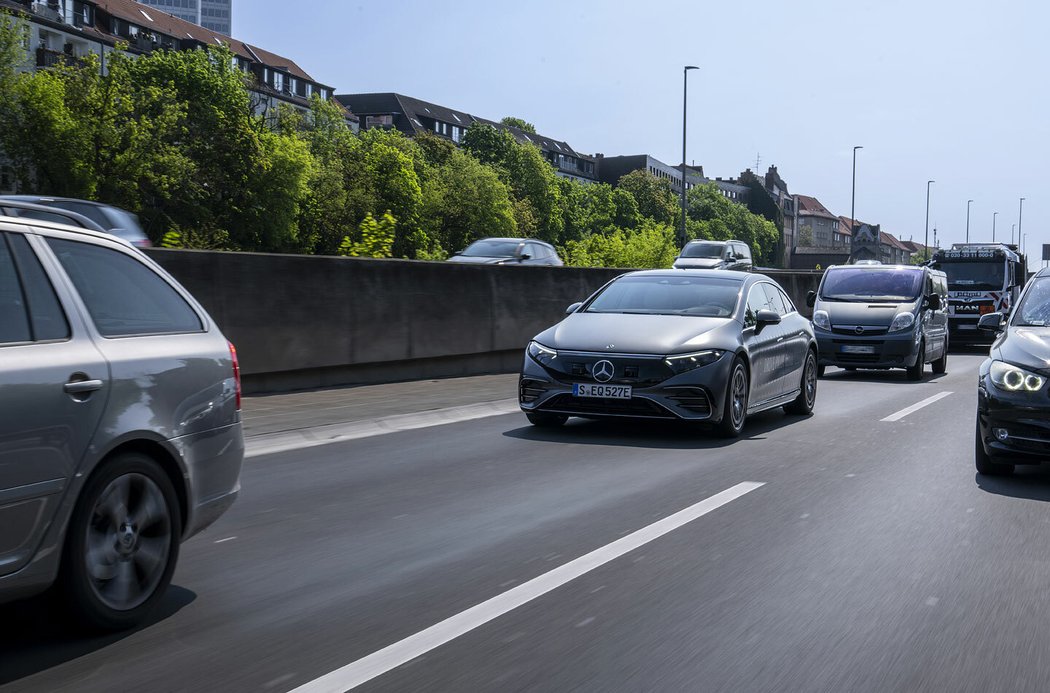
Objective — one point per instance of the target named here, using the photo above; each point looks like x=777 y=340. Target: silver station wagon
x=120 y=427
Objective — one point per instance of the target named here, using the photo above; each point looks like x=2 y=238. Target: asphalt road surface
x=854 y=550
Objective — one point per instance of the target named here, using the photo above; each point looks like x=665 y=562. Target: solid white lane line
x=916 y=407
x=392 y=656
x=336 y=433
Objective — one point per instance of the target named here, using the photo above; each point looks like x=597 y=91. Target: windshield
x=656 y=295
x=864 y=284
x=970 y=276
x=1034 y=309
x=491 y=248
x=713 y=250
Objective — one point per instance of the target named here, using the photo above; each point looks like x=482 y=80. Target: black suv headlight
x=1009 y=377
x=683 y=363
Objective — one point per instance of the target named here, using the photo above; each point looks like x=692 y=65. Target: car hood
x=640 y=334
x=480 y=259
x=873 y=314
x=1028 y=347
x=697 y=262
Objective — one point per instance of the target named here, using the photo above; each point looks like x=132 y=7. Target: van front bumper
x=898 y=350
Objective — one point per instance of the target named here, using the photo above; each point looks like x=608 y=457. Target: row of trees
x=176 y=137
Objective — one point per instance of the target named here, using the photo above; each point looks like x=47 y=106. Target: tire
x=940 y=366
x=122 y=544
x=915 y=372
x=734 y=414
x=820 y=371
x=544 y=420
x=983 y=462
x=807 y=396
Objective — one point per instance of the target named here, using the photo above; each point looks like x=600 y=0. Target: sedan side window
x=123 y=295
x=756 y=301
x=776 y=301
x=14 y=320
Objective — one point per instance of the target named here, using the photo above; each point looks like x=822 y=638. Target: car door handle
x=80 y=387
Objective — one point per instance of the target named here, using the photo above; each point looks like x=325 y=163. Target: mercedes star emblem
x=603 y=371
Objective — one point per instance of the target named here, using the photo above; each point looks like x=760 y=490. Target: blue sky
x=950 y=91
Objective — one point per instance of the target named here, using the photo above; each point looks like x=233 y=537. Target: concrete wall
x=304 y=321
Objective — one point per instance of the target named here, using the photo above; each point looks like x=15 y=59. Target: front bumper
x=697 y=395
x=963 y=330
x=896 y=350
x=1022 y=421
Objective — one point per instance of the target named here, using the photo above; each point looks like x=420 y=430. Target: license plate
x=598 y=390
x=966 y=327
x=857 y=349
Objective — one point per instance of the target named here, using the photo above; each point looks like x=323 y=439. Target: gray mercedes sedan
x=691 y=345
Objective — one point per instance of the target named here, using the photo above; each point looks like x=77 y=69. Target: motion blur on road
x=805 y=560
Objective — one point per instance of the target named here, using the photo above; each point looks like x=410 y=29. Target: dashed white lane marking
x=336 y=433
x=392 y=656
x=897 y=416
x=220 y=541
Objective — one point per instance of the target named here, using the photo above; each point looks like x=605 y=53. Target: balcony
x=49 y=58
x=42 y=9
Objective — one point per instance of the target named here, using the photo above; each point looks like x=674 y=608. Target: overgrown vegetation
x=174 y=136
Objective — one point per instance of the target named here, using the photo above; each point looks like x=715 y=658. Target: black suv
x=727 y=255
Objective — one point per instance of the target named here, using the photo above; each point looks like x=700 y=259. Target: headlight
x=541 y=353
x=902 y=322
x=821 y=319
x=682 y=363
x=1014 y=379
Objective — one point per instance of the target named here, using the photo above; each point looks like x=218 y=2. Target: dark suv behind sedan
x=1013 y=397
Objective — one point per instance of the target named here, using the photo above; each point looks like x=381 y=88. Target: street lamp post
x=1013 y=227
x=1020 y=211
x=968 y=220
x=853 y=201
x=685 y=95
x=926 y=241
x=994 y=215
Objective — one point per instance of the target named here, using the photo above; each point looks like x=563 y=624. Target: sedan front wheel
x=735 y=413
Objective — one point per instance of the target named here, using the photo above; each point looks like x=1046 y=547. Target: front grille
x=693 y=399
x=637 y=371
x=586 y=406
x=868 y=329
x=857 y=358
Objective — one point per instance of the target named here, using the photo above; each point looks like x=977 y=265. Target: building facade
x=612 y=168
x=413 y=116
x=216 y=15
x=817 y=226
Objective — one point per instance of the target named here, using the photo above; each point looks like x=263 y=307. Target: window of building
x=278 y=81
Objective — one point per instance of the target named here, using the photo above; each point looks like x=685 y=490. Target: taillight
x=236 y=372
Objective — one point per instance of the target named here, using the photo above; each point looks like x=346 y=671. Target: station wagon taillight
x=236 y=372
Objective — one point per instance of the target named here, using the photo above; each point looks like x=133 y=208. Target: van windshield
x=973 y=276
x=871 y=284
x=703 y=250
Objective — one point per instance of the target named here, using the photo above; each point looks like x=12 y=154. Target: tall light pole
x=853 y=201
x=1020 y=211
x=1012 y=228
x=994 y=215
x=968 y=220
x=926 y=241
x=685 y=101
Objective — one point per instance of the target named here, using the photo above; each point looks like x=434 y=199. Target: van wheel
x=122 y=543
x=734 y=413
x=941 y=365
x=983 y=462
x=915 y=372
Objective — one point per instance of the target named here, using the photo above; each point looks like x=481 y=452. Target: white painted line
x=336 y=433
x=220 y=541
x=393 y=656
x=916 y=407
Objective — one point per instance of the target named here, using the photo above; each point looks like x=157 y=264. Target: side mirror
x=993 y=322
x=573 y=308
x=811 y=299
x=767 y=317
x=933 y=301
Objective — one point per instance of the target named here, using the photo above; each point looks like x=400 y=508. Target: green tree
x=653 y=195
x=710 y=215
x=375 y=238
x=519 y=123
x=652 y=245
x=488 y=144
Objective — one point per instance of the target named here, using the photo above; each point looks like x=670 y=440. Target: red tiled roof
x=811 y=207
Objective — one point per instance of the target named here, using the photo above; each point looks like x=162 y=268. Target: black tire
x=734 y=413
x=544 y=420
x=915 y=372
x=140 y=552
x=820 y=371
x=983 y=462
x=807 y=396
x=940 y=366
